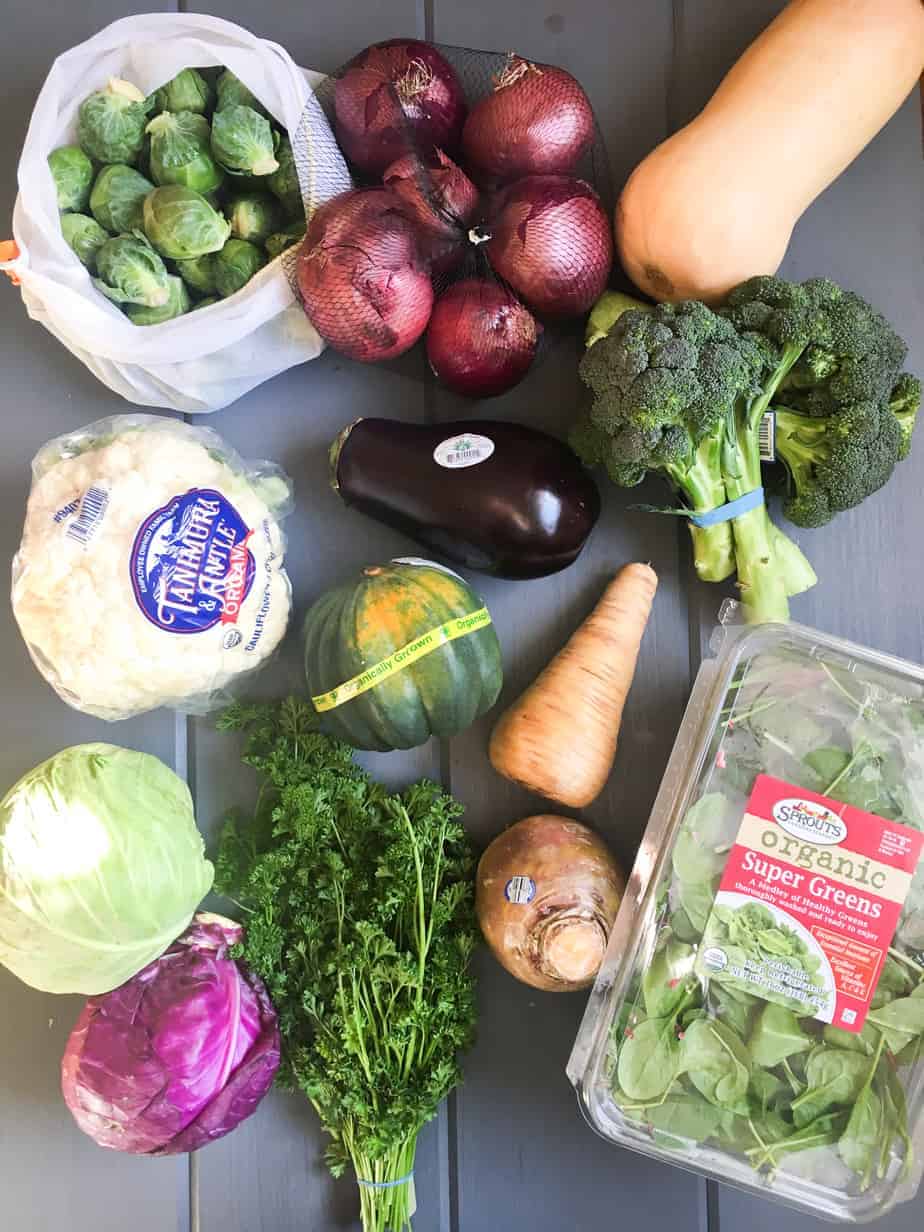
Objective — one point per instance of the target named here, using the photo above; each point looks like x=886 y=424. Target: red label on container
x=809 y=903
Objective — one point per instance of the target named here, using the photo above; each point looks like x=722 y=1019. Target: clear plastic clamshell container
x=759 y=1017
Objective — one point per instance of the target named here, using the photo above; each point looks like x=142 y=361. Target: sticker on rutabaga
x=809 y=903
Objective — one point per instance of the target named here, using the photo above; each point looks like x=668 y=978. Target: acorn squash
x=363 y=643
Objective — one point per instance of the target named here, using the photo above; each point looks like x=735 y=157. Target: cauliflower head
x=150 y=571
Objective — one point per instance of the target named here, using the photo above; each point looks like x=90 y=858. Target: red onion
x=395 y=96
x=481 y=340
x=537 y=120
x=551 y=241
x=441 y=198
x=361 y=279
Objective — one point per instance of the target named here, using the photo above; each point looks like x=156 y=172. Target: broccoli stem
x=800 y=443
x=770 y=566
x=704 y=488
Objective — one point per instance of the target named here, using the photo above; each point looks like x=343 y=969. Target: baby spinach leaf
x=861 y=1143
x=766 y=1087
x=825 y=1131
x=685 y=1115
x=696 y=899
x=777 y=1034
x=834 y=1078
x=900 y=1022
x=683 y=928
x=664 y=982
x=865 y=1042
x=649 y=1059
x=828 y=763
x=736 y=1009
x=702 y=844
x=716 y=1062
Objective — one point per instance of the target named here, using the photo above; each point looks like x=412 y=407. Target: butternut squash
x=717 y=202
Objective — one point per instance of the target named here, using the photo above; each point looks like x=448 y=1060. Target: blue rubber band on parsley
x=359 y=907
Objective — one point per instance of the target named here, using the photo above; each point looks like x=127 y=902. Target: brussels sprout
x=188 y=91
x=178 y=302
x=232 y=92
x=242 y=141
x=180 y=151
x=253 y=216
x=72 y=173
x=198 y=273
x=144 y=158
x=281 y=240
x=235 y=265
x=110 y=126
x=206 y=303
x=283 y=183
x=85 y=236
x=117 y=200
x=131 y=272
x=180 y=223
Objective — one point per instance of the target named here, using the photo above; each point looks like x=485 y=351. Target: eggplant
x=498 y=498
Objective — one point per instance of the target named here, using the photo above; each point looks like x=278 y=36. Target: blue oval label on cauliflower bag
x=191 y=566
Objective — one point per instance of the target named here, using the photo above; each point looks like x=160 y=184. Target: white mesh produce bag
x=150 y=571
x=200 y=361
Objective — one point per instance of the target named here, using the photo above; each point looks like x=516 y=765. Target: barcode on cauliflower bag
x=93 y=506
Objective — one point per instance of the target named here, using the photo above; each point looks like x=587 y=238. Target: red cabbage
x=177 y=1056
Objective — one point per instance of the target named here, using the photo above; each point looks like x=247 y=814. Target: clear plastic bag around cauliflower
x=150 y=571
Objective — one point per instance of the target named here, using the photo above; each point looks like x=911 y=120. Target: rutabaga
x=150 y=571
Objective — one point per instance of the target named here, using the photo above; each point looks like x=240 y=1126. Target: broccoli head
x=835 y=462
x=682 y=390
x=835 y=348
x=664 y=380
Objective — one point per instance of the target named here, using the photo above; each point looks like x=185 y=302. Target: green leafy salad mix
x=698 y=1061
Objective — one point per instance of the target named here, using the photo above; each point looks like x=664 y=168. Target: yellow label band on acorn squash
x=419 y=648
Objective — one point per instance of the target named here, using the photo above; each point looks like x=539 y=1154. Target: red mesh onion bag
x=480 y=221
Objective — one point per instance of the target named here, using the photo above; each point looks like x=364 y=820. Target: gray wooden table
x=510 y=1148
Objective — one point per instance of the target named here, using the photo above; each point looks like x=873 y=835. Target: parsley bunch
x=359 y=907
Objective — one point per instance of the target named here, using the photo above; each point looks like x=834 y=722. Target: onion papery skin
x=395 y=97
x=537 y=120
x=481 y=339
x=551 y=241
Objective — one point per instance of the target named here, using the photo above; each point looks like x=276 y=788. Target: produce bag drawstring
x=9 y=256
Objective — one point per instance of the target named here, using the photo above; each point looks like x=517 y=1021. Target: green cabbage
x=111 y=123
x=117 y=200
x=243 y=141
x=188 y=91
x=85 y=236
x=101 y=868
x=180 y=151
x=72 y=172
x=180 y=223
